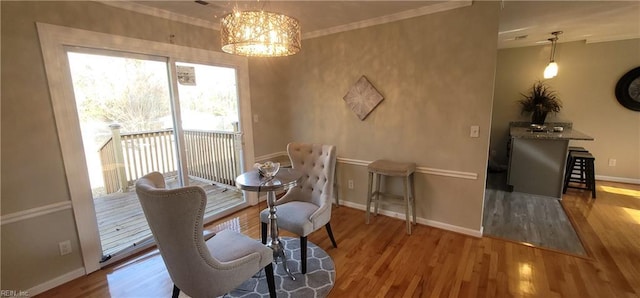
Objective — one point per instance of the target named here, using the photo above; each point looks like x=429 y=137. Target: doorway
x=140 y=152
x=124 y=107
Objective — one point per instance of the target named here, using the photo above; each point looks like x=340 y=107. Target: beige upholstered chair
x=198 y=268
x=306 y=207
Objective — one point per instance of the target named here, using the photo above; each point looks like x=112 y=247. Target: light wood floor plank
x=380 y=260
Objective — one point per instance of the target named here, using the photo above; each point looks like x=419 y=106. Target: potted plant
x=539 y=101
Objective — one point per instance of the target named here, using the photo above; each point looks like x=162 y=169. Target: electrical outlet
x=612 y=162
x=474 y=131
x=65 y=247
x=350 y=184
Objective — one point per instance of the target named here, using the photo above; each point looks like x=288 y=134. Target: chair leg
x=303 y=254
x=377 y=194
x=176 y=292
x=405 y=184
x=270 y=280
x=567 y=174
x=592 y=178
x=264 y=233
x=413 y=198
x=369 y=198
x=333 y=240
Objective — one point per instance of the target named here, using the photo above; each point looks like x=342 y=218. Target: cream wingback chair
x=198 y=268
x=306 y=207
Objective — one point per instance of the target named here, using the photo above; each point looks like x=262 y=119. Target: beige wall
x=436 y=74
x=269 y=104
x=585 y=83
x=32 y=168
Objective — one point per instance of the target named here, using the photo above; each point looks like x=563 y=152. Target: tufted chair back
x=200 y=269
x=318 y=163
x=307 y=207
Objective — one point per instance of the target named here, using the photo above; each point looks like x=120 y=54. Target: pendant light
x=260 y=34
x=552 y=69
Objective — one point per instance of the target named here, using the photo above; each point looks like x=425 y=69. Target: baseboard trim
x=420 y=220
x=62 y=279
x=34 y=212
x=618 y=179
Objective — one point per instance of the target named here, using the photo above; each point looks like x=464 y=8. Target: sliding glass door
x=159 y=146
x=133 y=122
x=210 y=125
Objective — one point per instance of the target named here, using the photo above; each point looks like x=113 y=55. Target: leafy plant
x=540 y=99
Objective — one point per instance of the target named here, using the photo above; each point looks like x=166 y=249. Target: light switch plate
x=65 y=247
x=474 y=131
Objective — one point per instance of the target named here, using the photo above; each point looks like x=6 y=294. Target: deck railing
x=211 y=155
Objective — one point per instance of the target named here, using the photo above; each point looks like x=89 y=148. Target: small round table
x=285 y=178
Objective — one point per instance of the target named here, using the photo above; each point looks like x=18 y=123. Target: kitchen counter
x=537 y=159
x=566 y=134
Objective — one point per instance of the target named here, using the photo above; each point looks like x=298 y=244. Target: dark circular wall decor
x=628 y=90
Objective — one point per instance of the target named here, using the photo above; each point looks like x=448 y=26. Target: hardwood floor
x=380 y=260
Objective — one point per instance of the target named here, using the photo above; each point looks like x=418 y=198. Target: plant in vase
x=540 y=100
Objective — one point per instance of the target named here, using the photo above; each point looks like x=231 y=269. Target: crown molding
x=161 y=13
x=612 y=38
x=165 y=14
x=425 y=10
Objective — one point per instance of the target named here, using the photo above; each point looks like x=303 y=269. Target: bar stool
x=388 y=168
x=582 y=163
x=568 y=169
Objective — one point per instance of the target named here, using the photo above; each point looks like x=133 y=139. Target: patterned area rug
x=318 y=281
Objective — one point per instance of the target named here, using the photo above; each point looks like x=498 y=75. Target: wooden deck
x=122 y=224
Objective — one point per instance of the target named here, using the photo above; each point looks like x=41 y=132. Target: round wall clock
x=628 y=90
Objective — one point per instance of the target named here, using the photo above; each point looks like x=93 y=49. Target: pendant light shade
x=552 y=69
x=260 y=34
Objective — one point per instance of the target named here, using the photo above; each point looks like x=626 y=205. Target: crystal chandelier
x=260 y=34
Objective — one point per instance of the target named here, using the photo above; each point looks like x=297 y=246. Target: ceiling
x=522 y=23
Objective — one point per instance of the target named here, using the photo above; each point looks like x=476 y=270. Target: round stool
x=388 y=168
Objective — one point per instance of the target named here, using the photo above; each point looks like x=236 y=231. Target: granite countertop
x=548 y=134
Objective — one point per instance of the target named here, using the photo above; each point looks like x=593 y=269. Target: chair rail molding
x=34 y=212
x=423 y=170
x=271 y=156
x=364 y=163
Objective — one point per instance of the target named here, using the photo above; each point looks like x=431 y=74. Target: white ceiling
x=593 y=21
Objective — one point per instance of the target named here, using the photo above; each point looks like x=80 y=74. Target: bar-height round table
x=285 y=178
